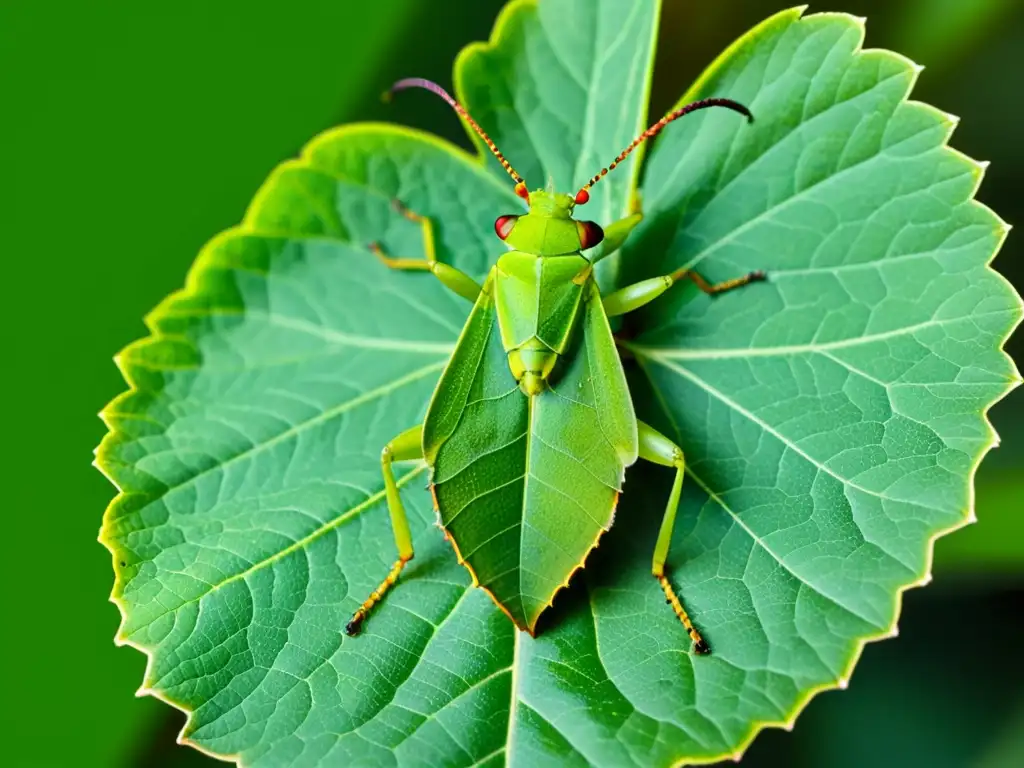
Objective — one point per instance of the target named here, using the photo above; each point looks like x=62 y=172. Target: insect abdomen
x=531 y=364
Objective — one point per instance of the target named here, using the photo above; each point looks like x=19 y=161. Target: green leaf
x=832 y=418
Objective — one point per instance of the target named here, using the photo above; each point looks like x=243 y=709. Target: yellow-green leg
x=452 y=278
x=406 y=447
x=658 y=449
x=615 y=234
x=644 y=292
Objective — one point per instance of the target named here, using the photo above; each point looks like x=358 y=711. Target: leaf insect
x=531 y=426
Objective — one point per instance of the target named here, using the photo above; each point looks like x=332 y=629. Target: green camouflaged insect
x=531 y=426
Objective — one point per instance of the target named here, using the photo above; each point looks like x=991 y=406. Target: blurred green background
x=133 y=132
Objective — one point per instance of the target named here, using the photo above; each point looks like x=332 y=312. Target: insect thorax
x=538 y=302
x=548 y=229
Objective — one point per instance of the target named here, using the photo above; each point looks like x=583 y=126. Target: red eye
x=590 y=234
x=503 y=225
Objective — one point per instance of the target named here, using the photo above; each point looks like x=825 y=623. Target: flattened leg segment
x=406 y=447
x=658 y=449
x=632 y=297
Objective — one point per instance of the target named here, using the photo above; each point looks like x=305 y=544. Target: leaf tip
x=124 y=369
x=103 y=471
x=843 y=683
x=895 y=631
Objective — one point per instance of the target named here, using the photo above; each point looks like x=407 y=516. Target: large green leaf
x=832 y=417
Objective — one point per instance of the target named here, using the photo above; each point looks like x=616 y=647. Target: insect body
x=531 y=426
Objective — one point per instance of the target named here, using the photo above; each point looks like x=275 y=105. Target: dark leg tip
x=701 y=648
x=758 y=274
x=352 y=628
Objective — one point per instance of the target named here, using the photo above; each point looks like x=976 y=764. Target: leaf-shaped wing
x=613 y=403
x=525 y=487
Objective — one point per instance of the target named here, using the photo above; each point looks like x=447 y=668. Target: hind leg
x=657 y=448
x=406 y=447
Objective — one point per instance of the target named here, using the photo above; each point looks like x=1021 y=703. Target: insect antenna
x=584 y=195
x=419 y=82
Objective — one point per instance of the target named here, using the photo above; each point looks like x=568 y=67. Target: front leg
x=450 y=277
x=644 y=292
x=615 y=235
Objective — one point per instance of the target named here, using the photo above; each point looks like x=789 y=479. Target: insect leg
x=657 y=448
x=452 y=278
x=715 y=288
x=406 y=447
x=634 y=296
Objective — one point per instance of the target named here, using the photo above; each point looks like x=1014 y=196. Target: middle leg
x=634 y=296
